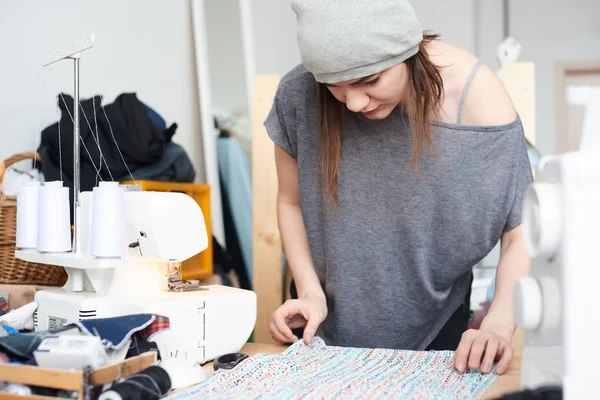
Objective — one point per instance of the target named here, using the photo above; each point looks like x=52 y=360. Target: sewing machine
x=557 y=304
x=162 y=229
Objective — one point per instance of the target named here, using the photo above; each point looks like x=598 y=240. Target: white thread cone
x=108 y=221
x=54 y=218
x=27 y=215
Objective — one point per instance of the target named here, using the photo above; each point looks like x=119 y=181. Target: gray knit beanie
x=341 y=40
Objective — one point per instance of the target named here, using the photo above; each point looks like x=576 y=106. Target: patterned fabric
x=160 y=324
x=327 y=372
x=115 y=331
x=3 y=306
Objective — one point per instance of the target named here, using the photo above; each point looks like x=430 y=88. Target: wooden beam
x=267 y=275
x=519 y=80
x=128 y=367
x=6 y=396
x=45 y=377
x=72 y=381
x=561 y=107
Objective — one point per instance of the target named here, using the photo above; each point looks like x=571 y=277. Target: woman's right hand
x=307 y=312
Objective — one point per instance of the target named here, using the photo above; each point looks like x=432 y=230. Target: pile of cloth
x=119 y=141
x=121 y=337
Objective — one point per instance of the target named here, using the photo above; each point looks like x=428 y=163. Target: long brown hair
x=424 y=99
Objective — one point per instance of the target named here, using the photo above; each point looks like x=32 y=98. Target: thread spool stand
x=75 y=262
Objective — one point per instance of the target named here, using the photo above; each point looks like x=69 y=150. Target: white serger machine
x=162 y=229
x=557 y=304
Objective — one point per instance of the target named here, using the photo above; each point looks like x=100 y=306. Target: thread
x=60 y=167
x=150 y=384
x=108 y=220
x=37 y=125
x=27 y=215
x=81 y=137
x=97 y=135
x=96 y=138
x=54 y=220
x=117 y=146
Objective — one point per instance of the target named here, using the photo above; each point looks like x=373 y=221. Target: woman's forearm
x=297 y=250
x=513 y=264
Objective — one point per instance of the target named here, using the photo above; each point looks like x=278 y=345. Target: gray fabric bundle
x=341 y=40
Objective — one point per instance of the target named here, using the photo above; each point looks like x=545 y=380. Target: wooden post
x=267 y=275
x=519 y=80
x=570 y=117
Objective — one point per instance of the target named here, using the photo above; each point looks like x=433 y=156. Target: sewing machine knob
x=551 y=295
x=528 y=303
x=542 y=220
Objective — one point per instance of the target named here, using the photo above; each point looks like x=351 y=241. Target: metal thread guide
x=73 y=52
x=175 y=282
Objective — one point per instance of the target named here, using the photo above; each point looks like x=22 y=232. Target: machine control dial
x=528 y=303
x=542 y=220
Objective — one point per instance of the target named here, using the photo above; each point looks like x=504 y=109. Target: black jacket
x=140 y=141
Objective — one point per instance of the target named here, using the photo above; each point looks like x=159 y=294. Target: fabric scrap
x=20 y=347
x=160 y=323
x=316 y=370
x=115 y=331
x=140 y=347
x=21 y=318
x=3 y=305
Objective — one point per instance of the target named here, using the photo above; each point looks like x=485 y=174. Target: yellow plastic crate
x=201 y=265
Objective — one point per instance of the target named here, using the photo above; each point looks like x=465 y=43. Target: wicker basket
x=13 y=270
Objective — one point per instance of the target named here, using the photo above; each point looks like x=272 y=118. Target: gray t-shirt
x=395 y=259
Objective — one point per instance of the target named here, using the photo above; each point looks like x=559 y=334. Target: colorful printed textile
x=3 y=306
x=115 y=332
x=327 y=372
x=161 y=323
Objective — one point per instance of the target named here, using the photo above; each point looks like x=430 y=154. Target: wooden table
x=506 y=383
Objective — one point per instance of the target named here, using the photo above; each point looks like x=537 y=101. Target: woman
x=401 y=162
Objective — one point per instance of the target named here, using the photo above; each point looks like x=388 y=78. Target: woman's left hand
x=479 y=348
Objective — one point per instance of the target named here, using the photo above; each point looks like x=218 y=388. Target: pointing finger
x=490 y=354
x=504 y=362
x=461 y=355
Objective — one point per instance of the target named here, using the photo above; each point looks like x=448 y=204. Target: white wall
x=488 y=30
x=554 y=31
x=453 y=20
x=143 y=46
x=226 y=54
x=275 y=29
x=274 y=25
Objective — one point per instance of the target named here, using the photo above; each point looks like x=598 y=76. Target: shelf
x=68 y=260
